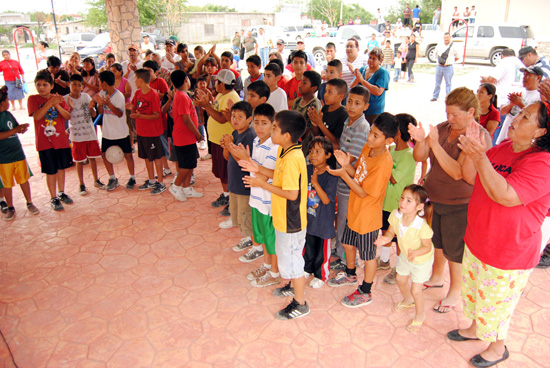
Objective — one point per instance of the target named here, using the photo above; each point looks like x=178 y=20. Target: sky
x=77 y=6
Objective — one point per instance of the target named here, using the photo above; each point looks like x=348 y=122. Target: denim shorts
x=289 y=248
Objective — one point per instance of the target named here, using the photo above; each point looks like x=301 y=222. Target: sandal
x=438 y=306
x=402 y=306
x=426 y=287
x=414 y=326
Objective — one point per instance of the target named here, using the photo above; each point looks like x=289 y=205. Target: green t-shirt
x=404 y=168
x=10 y=148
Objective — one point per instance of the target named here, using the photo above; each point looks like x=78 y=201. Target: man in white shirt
x=506 y=75
x=380 y=21
x=444 y=69
x=170 y=58
x=128 y=68
x=147 y=44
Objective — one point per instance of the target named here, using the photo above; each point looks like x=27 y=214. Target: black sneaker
x=544 y=261
x=99 y=185
x=82 y=190
x=222 y=200
x=284 y=291
x=293 y=310
x=3 y=206
x=225 y=212
x=112 y=184
x=64 y=198
x=56 y=204
x=338 y=265
x=131 y=184
x=147 y=185
x=159 y=188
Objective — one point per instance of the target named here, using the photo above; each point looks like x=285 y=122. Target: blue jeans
x=434 y=24
x=440 y=73
x=387 y=67
x=396 y=72
x=264 y=55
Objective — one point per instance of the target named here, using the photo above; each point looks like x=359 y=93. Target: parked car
x=272 y=33
x=158 y=39
x=483 y=40
x=75 y=42
x=100 y=43
x=290 y=33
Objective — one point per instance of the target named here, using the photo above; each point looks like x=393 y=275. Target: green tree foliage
x=211 y=8
x=97 y=14
x=427 y=8
x=329 y=10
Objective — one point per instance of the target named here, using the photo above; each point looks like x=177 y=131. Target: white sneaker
x=202 y=145
x=208 y=156
x=227 y=224
x=177 y=192
x=192 y=193
x=316 y=283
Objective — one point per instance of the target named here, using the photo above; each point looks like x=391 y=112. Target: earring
x=421 y=213
x=533 y=141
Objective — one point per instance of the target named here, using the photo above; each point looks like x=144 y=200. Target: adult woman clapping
x=449 y=183
x=353 y=60
x=376 y=80
x=510 y=199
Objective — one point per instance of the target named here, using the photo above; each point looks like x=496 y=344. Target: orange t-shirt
x=373 y=174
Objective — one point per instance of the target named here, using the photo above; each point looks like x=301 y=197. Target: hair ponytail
x=422 y=197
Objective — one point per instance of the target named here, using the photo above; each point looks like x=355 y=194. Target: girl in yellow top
x=411 y=224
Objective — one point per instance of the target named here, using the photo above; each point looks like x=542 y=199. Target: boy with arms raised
x=145 y=108
x=368 y=180
x=353 y=138
x=49 y=113
x=115 y=130
x=185 y=135
x=239 y=195
x=288 y=204
x=277 y=97
x=82 y=131
x=329 y=122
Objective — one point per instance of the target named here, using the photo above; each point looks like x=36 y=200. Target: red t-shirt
x=161 y=86
x=183 y=105
x=235 y=73
x=493 y=114
x=148 y=104
x=291 y=89
x=282 y=82
x=509 y=238
x=49 y=131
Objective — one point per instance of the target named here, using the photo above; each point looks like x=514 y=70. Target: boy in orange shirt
x=368 y=181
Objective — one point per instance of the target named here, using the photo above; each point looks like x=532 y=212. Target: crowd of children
x=299 y=166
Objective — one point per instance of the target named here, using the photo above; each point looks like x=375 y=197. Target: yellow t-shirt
x=412 y=237
x=215 y=129
x=373 y=174
x=290 y=174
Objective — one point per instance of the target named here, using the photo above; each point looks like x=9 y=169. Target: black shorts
x=219 y=163
x=52 y=160
x=386 y=224
x=123 y=143
x=363 y=242
x=406 y=22
x=150 y=148
x=187 y=156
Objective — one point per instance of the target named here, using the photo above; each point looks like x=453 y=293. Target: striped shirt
x=388 y=55
x=264 y=154
x=352 y=140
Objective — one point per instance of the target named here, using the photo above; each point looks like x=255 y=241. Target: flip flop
x=426 y=287
x=402 y=306
x=437 y=308
x=414 y=326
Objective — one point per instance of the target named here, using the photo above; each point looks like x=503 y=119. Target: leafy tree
x=97 y=14
x=353 y=10
x=211 y=8
x=427 y=8
x=329 y=10
x=40 y=18
x=175 y=14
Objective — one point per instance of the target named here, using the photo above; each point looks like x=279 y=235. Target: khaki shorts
x=240 y=213
x=419 y=272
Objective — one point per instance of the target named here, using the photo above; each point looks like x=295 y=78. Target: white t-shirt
x=167 y=64
x=264 y=154
x=453 y=54
x=278 y=100
x=147 y=46
x=81 y=123
x=347 y=75
x=131 y=76
x=508 y=76
x=529 y=97
x=261 y=41
x=113 y=126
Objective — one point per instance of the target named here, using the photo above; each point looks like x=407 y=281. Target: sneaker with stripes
x=284 y=291
x=293 y=310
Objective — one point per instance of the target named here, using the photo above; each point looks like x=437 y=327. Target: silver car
x=75 y=42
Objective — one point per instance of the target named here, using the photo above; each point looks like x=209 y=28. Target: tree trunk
x=124 y=27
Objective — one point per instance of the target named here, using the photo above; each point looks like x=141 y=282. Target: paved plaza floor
x=126 y=279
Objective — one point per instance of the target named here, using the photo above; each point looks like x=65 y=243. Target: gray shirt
x=352 y=140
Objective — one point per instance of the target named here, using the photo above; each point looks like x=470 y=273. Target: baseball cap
x=533 y=70
x=170 y=42
x=280 y=41
x=225 y=76
x=299 y=39
x=524 y=51
x=133 y=46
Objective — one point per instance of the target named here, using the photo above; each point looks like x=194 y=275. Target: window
x=512 y=32
x=349 y=33
x=88 y=36
x=485 y=32
x=462 y=32
x=208 y=29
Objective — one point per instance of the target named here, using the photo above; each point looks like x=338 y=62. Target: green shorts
x=263 y=230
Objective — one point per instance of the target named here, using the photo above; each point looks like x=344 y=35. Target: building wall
x=208 y=27
x=533 y=13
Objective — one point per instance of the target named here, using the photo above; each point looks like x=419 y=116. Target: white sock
x=152 y=181
x=385 y=254
x=176 y=186
x=268 y=266
x=396 y=261
x=257 y=247
x=112 y=177
x=2 y=199
x=274 y=274
x=132 y=177
x=226 y=194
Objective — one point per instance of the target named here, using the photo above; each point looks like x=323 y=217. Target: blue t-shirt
x=416 y=13
x=234 y=173
x=381 y=78
x=320 y=217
